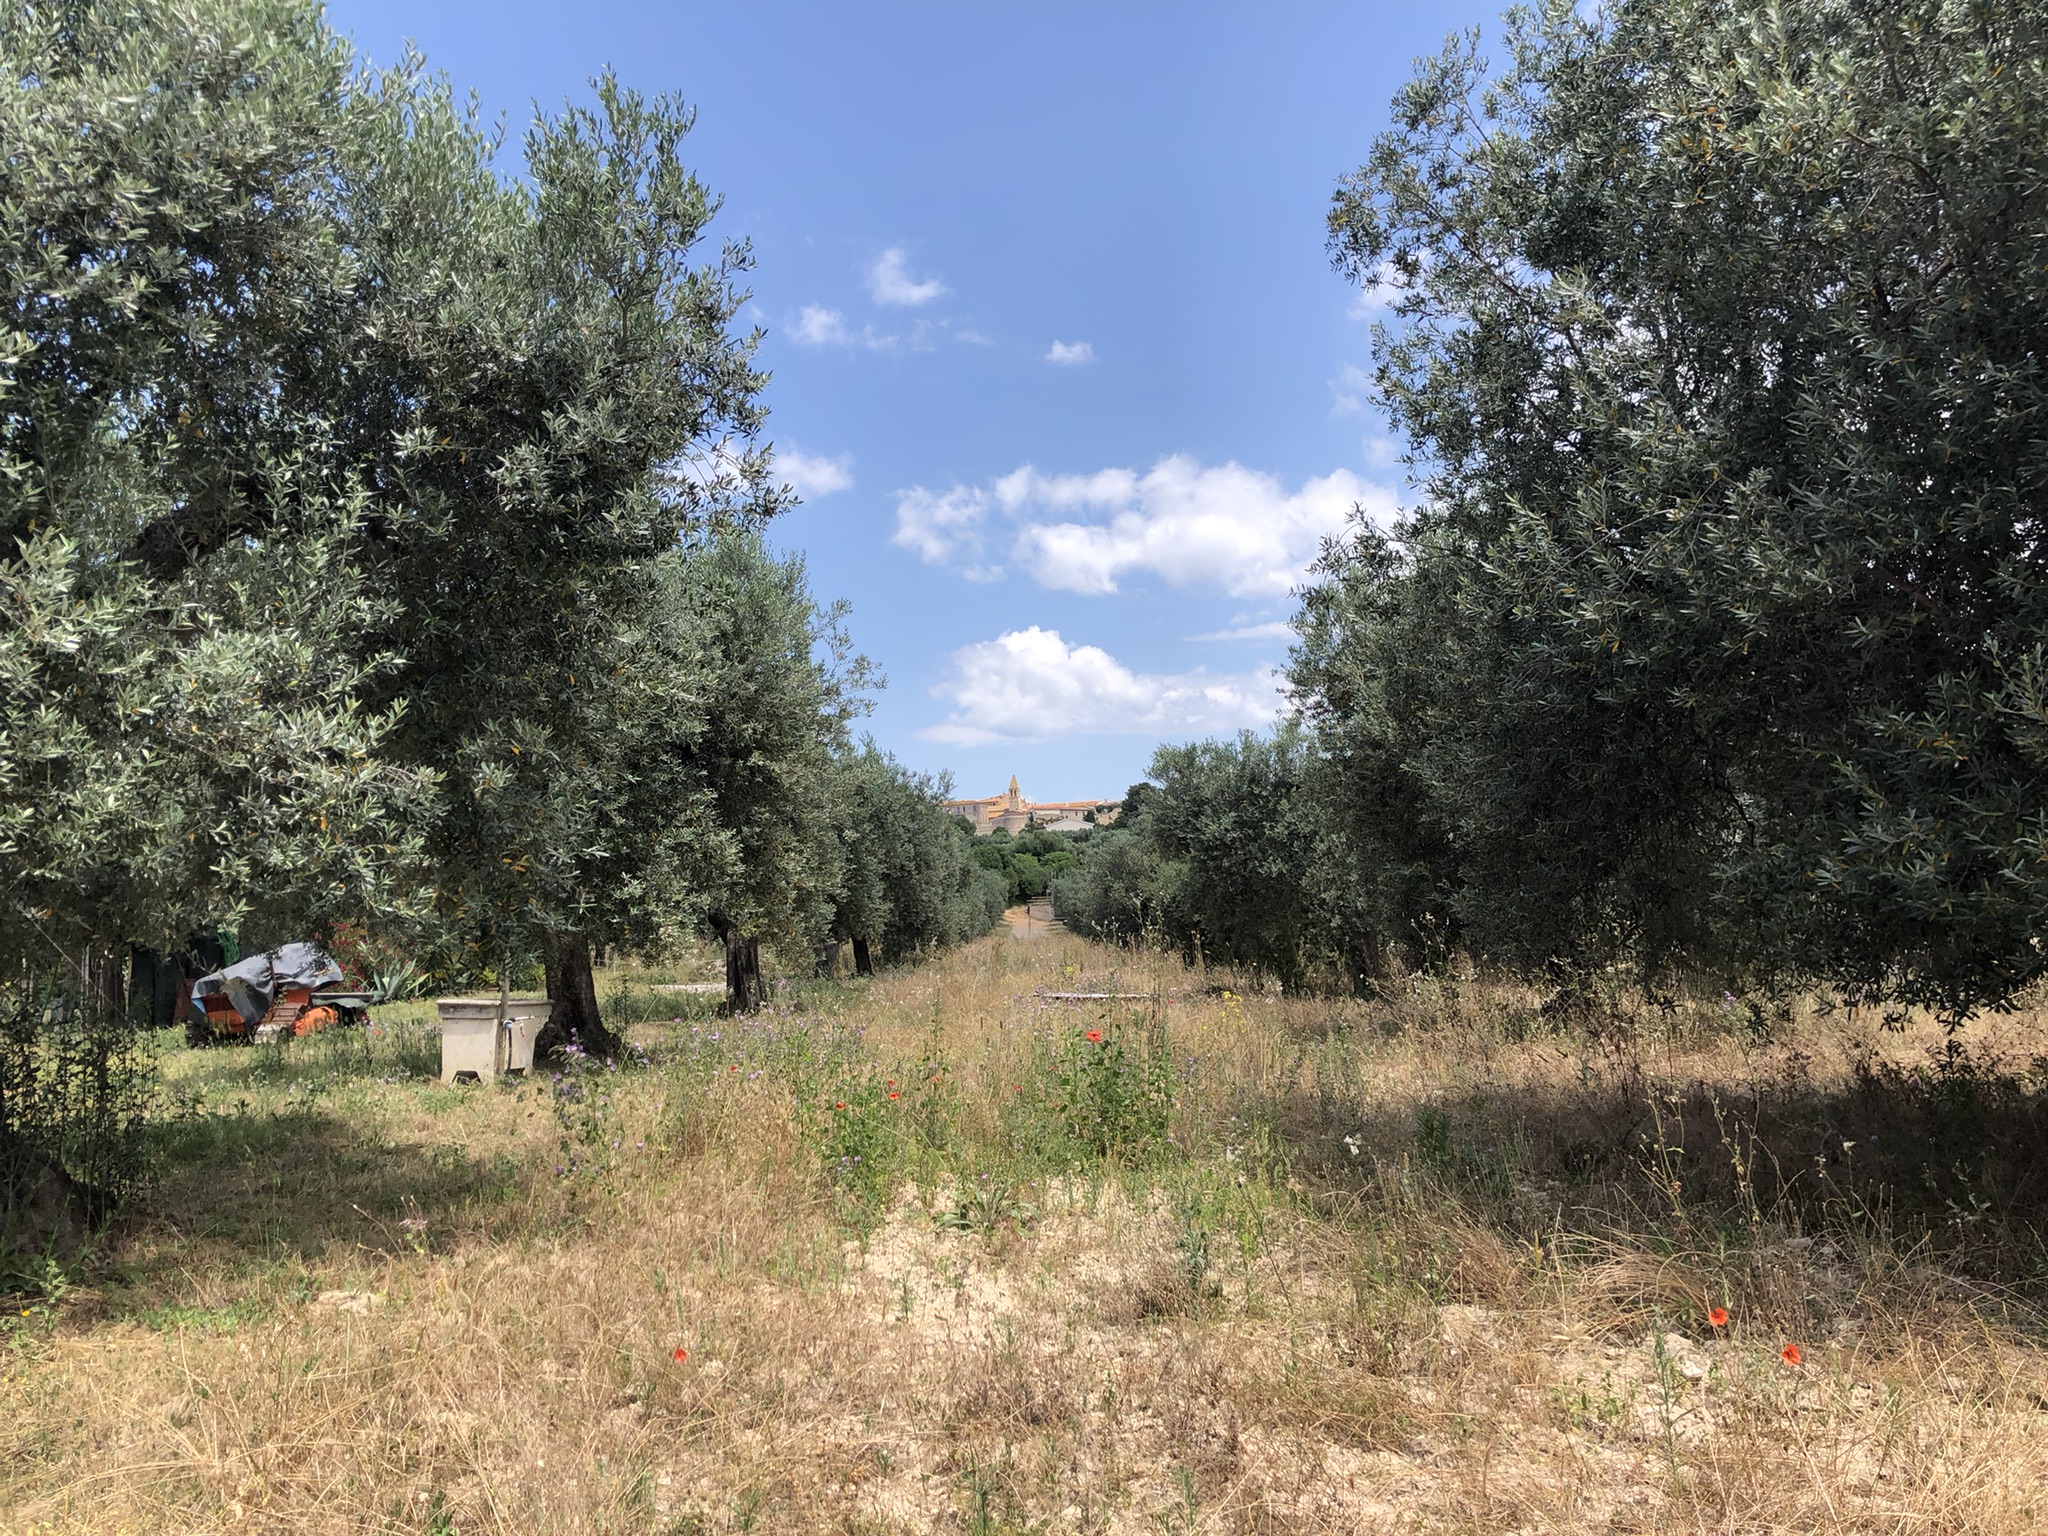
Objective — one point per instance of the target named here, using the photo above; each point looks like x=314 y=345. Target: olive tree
x=190 y=735
x=1715 y=639
x=909 y=880
x=549 y=402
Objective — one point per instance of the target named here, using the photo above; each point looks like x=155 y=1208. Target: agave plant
x=396 y=983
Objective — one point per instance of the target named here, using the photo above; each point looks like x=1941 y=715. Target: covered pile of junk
x=295 y=989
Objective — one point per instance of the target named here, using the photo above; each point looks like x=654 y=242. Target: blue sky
x=1059 y=360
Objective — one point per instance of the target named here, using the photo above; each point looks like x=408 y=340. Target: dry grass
x=1422 y=1264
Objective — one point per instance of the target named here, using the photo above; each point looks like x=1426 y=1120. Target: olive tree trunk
x=742 y=966
x=572 y=995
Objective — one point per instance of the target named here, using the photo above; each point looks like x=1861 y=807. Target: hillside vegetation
x=923 y=1254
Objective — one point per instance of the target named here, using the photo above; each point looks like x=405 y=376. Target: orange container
x=313 y=1020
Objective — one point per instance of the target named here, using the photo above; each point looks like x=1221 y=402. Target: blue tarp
x=251 y=985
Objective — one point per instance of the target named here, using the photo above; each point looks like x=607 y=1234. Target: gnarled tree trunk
x=572 y=995
x=742 y=966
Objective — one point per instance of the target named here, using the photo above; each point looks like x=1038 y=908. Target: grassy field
x=938 y=1253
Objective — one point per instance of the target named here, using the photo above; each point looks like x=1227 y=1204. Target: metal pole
x=498 y=1046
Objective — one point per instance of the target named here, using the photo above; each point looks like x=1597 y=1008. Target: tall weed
x=1114 y=1086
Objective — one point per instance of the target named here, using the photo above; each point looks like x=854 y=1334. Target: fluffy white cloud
x=813 y=475
x=817 y=326
x=946 y=528
x=890 y=282
x=1070 y=354
x=1030 y=685
x=1223 y=527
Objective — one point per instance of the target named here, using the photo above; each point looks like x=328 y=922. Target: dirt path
x=1034 y=921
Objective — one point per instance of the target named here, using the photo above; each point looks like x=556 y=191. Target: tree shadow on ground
x=1947 y=1160
x=305 y=1185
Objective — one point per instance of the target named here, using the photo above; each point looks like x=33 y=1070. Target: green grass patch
x=205 y=1321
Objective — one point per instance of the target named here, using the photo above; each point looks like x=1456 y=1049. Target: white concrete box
x=473 y=1041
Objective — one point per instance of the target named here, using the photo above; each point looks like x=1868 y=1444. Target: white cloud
x=1224 y=527
x=817 y=326
x=944 y=527
x=1376 y=296
x=1349 y=391
x=1030 y=685
x=714 y=468
x=1381 y=452
x=890 y=282
x=1279 y=629
x=1070 y=354
x=812 y=475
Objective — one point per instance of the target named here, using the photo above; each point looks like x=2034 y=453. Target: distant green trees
x=1211 y=854
x=1228 y=852
x=1714 y=644
x=1027 y=862
x=911 y=878
x=1124 y=890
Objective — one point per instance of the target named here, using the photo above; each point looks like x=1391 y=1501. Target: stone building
x=1013 y=813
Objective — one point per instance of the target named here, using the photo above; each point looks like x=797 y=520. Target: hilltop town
x=1011 y=812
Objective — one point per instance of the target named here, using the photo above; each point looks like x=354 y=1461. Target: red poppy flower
x=1717 y=1317
x=1094 y=1037
x=839 y=1106
x=1790 y=1354
x=679 y=1353
x=894 y=1095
